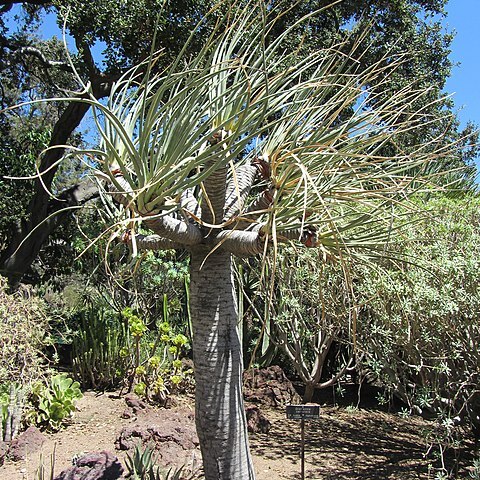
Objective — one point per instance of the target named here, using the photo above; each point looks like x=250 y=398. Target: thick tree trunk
x=309 y=392
x=220 y=414
x=31 y=235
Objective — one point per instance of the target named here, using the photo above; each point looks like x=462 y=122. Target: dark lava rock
x=25 y=444
x=94 y=466
x=256 y=420
x=269 y=386
x=136 y=403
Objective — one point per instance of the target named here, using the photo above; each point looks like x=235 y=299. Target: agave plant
x=141 y=465
x=141 y=462
x=242 y=147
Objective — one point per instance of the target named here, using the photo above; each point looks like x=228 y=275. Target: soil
x=346 y=442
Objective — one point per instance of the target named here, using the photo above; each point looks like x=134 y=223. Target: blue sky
x=464 y=19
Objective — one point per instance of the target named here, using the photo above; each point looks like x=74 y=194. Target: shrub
x=155 y=358
x=113 y=348
x=23 y=335
x=53 y=402
x=420 y=326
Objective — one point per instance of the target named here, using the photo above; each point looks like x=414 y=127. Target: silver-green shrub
x=23 y=336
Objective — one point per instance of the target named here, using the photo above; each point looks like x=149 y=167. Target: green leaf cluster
x=162 y=370
x=135 y=324
x=54 y=402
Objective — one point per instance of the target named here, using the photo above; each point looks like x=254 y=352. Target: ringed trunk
x=219 y=410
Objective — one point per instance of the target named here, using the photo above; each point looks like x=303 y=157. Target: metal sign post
x=302 y=413
x=302 y=448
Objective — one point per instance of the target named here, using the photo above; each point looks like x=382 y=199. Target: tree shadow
x=350 y=444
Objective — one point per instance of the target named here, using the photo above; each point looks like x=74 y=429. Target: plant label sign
x=303 y=412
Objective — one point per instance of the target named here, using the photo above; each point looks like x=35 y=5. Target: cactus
x=12 y=397
x=97 y=362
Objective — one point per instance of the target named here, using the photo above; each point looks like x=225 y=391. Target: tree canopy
x=31 y=67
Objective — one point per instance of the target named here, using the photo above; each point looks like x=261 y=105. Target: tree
x=126 y=29
x=240 y=147
x=26 y=58
x=26 y=73
x=311 y=311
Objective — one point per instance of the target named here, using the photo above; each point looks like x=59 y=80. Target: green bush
x=111 y=349
x=24 y=331
x=54 y=402
x=155 y=358
x=420 y=326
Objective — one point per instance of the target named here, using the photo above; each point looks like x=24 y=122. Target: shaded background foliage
x=420 y=324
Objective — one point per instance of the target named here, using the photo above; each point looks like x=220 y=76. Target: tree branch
x=28 y=239
x=87 y=57
x=151 y=242
x=180 y=232
x=28 y=50
x=338 y=375
x=189 y=203
x=258 y=207
x=308 y=236
x=177 y=231
x=240 y=242
x=215 y=184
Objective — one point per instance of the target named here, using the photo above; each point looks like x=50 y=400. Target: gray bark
x=238 y=189
x=220 y=414
x=32 y=233
x=189 y=203
x=241 y=243
x=214 y=194
x=153 y=242
x=178 y=231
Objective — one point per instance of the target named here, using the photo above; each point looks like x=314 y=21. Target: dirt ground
x=344 y=443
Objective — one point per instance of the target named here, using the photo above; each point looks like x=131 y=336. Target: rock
x=94 y=466
x=269 y=386
x=127 y=414
x=172 y=434
x=257 y=422
x=25 y=444
x=135 y=403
